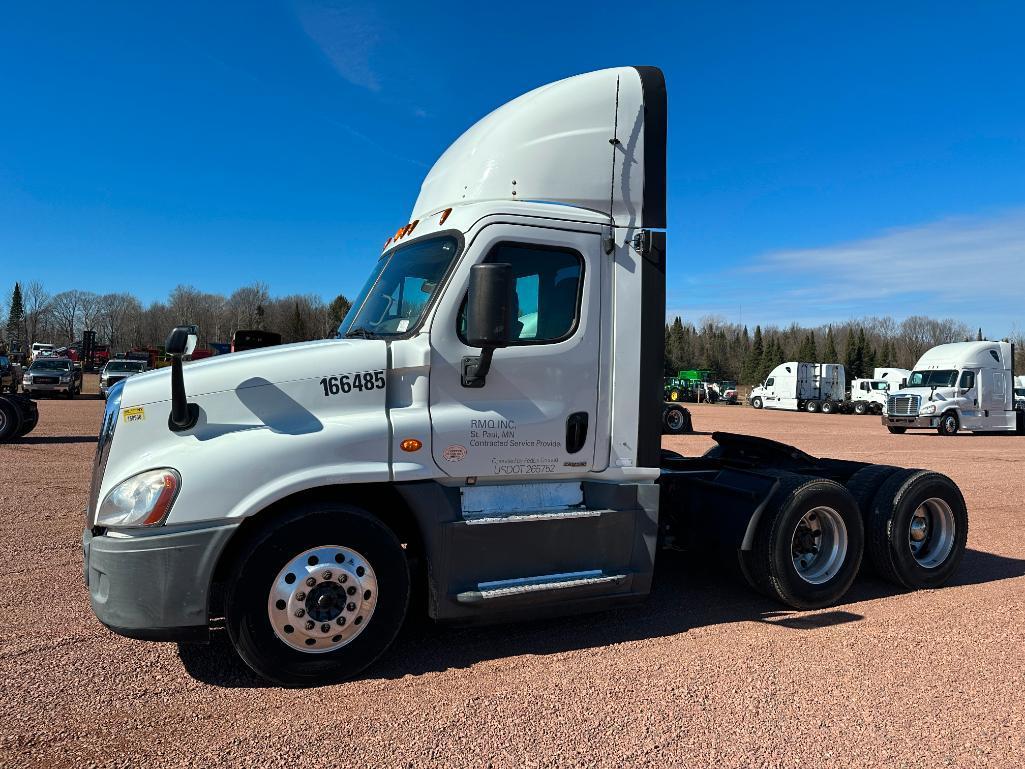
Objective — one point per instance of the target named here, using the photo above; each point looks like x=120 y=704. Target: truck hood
x=255 y=368
x=941 y=393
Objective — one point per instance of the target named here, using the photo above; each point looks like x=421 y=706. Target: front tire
x=808 y=545
x=756 y=402
x=301 y=571
x=949 y=424
x=860 y=408
x=897 y=430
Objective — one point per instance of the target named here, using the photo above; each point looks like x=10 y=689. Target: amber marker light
x=411 y=444
x=444 y=215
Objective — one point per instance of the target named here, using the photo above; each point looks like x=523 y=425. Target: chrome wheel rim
x=818 y=545
x=322 y=599
x=931 y=533
x=949 y=425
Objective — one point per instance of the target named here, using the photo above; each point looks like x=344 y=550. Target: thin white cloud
x=347 y=35
x=971 y=268
x=976 y=259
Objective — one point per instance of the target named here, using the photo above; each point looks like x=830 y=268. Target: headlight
x=929 y=408
x=65 y=377
x=142 y=500
x=26 y=378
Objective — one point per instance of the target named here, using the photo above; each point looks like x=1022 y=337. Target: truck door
x=535 y=416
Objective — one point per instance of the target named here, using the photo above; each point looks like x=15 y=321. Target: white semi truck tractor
x=484 y=432
x=958 y=386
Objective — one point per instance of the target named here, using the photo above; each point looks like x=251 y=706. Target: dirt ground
x=706 y=673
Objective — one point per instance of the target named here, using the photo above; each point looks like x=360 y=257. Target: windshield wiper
x=361 y=332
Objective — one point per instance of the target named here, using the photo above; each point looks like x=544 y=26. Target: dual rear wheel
x=910 y=526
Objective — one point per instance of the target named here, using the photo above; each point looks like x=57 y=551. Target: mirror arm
x=184 y=415
x=475 y=368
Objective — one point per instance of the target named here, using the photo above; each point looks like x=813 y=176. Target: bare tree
x=66 y=309
x=247 y=305
x=118 y=318
x=37 y=309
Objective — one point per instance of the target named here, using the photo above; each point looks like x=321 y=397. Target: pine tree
x=753 y=359
x=830 y=355
x=16 y=316
x=808 y=351
x=861 y=353
x=676 y=346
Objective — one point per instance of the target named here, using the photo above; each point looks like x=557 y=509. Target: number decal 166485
x=346 y=383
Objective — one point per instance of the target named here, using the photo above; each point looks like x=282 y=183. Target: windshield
x=51 y=364
x=123 y=365
x=942 y=378
x=399 y=289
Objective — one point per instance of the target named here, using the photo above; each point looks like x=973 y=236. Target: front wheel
x=808 y=545
x=949 y=424
x=897 y=430
x=756 y=402
x=860 y=408
x=318 y=596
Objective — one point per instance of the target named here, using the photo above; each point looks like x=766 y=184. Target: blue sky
x=826 y=160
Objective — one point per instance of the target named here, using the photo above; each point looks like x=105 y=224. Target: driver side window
x=546 y=304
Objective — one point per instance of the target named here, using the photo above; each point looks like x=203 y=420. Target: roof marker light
x=444 y=215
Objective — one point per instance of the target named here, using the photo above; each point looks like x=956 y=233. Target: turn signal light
x=444 y=215
x=411 y=444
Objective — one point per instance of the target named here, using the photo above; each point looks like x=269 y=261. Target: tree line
x=121 y=320
x=732 y=352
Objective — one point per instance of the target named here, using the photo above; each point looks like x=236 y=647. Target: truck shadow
x=30 y=439
x=686 y=596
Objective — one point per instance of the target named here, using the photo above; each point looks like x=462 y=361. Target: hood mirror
x=181 y=342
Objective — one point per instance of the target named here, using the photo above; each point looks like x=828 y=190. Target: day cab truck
x=484 y=432
x=958 y=386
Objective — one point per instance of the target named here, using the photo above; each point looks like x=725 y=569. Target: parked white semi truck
x=958 y=386
x=485 y=432
x=795 y=386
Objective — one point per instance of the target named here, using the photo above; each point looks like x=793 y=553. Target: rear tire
x=918 y=529
x=828 y=407
x=756 y=402
x=949 y=423
x=897 y=430
x=249 y=598
x=675 y=420
x=792 y=564
x=811 y=407
x=10 y=419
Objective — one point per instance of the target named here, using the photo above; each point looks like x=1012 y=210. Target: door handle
x=576 y=431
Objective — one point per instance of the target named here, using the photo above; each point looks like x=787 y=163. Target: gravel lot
x=704 y=674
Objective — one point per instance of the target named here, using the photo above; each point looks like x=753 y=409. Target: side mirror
x=489 y=305
x=182 y=340
x=489 y=318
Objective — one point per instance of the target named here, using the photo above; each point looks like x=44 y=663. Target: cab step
x=522 y=586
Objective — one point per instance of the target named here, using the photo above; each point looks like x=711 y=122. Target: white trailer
x=958 y=386
x=796 y=386
x=485 y=431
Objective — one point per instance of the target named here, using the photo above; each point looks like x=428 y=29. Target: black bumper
x=154 y=586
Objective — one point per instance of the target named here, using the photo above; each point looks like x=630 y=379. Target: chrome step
x=516 y=516
x=510 y=588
